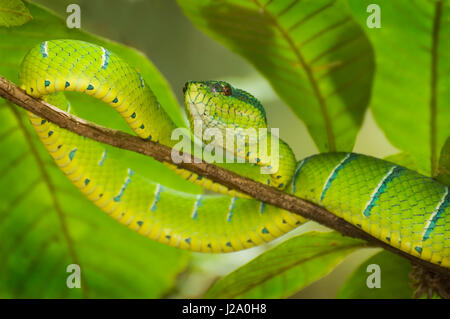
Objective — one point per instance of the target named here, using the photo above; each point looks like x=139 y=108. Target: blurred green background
x=181 y=52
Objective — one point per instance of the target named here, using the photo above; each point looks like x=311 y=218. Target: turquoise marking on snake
x=142 y=80
x=262 y=208
x=105 y=58
x=381 y=188
x=396 y=205
x=334 y=173
x=43 y=48
x=231 y=209
x=297 y=171
x=125 y=185
x=102 y=160
x=197 y=204
x=157 y=196
x=72 y=153
x=441 y=207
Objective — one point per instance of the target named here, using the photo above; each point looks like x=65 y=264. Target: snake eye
x=216 y=87
x=227 y=90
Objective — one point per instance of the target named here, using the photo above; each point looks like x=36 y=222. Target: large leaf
x=314 y=54
x=411 y=96
x=287 y=268
x=13 y=13
x=394 y=279
x=45 y=222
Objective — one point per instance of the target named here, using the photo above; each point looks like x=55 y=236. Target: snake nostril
x=185 y=88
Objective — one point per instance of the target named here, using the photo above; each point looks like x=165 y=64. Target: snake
x=394 y=204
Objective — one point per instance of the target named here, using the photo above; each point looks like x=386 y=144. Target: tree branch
x=267 y=194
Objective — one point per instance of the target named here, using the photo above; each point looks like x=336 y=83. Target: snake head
x=217 y=104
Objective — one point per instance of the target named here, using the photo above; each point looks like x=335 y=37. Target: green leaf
x=313 y=53
x=13 y=13
x=410 y=98
x=443 y=175
x=286 y=268
x=394 y=279
x=45 y=222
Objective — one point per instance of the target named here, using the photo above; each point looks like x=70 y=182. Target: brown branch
x=11 y=92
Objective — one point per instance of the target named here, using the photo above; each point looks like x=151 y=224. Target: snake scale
x=394 y=204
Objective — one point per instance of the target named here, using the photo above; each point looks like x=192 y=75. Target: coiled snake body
x=396 y=205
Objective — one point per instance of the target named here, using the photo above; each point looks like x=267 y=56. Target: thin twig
x=267 y=194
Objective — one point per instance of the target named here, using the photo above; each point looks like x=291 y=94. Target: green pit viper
x=394 y=204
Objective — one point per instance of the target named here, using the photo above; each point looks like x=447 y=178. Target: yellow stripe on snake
x=396 y=205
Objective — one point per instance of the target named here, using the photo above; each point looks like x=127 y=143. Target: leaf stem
x=434 y=85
